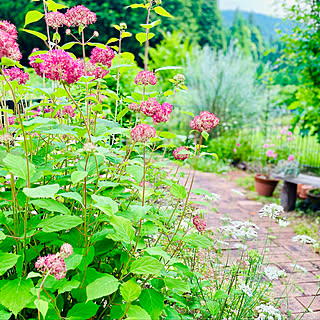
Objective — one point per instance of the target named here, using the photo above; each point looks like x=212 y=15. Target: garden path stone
x=283 y=251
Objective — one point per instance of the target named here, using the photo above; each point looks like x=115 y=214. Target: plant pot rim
x=310 y=194
x=261 y=176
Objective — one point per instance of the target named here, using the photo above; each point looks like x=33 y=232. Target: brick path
x=283 y=252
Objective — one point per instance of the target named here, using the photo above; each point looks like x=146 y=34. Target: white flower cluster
x=268 y=312
x=283 y=223
x=238 y=229
x=245 y=289
x=274 y=273
x=271 y=210
x=304 y=239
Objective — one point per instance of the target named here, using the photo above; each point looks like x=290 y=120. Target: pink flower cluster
x=57 y=65
x=163 y=113
x=80 y=16
x=142 y=133
x=271 y=154
x=206 y=121
x=134 y=107
x=145 y=78
x=54 y=263
x=92 y=69
x=103 y=56
x=55 y=19
x=291 y=158
x=66 y=111
x=12 y=120
x=179 y=155
x=16 y=74
x=199 y=223
x=8 y=45
x=150 y=107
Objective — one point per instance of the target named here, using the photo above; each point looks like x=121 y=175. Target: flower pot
x=314 y=197
x=264 y=186
x=302 y=190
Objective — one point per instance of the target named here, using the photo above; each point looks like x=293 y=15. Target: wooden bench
x=289 y=190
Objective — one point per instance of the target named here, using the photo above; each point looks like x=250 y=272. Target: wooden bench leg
x=289 y=196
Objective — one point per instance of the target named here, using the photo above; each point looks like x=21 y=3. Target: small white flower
x=283 y=223
x=304 y=239
x=274 y=273
x=245 y=289
x=300 y=268
x=270 y=311
x=271 y=210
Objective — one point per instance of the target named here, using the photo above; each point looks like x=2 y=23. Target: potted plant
x=265 y=184
x=314 y=197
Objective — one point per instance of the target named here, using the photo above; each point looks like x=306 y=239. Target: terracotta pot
x=302 y=190
x=264 y=186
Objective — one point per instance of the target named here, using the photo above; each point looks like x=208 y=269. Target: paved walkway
x=283 y=252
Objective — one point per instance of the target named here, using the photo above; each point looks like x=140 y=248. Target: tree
x=210 y=24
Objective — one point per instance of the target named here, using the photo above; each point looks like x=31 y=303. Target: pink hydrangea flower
x=238 y=145
x=92 y=69
x=278 y=137
x=291 y=157
x=80 y=16
x=275 y=155
x=289 y=139
x=9 y=28
x=36 y=65
x=199 y=223
x=147 y=184
x=66 y=111
x=163 y=114
x=293 y=138
x=266 y=146
x=206 y=121
x=8 y=47
x=150 y=107
x=58 y=65
x=145 y=78
x=134 y=107
x=290 y=133
x=178 y=155
x=17 y=74
x=268 y=140
x=12 y=120
x=269 y=153
x=55 y=19
x=234 y=150
x=103 y=56
x=52 y=264
x=283 y=131
x=66 y=250
x=142 y=133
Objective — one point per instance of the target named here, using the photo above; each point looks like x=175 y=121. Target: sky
x=269 y=7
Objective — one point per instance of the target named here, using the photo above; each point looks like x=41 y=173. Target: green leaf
x=68 y=45
x=178 y=191
x=9 y=63
x=15 y=294
x=201 y=192
x=2 y=236
x=177 y=284
x=72 y=195
x=105 y=204
x=152 y=302
x=102 y=287
x=52 y=6
x=18 y=166
x=112 y=40
x=136 y=172
x=168 y=68
x=172 y=314
x=146 y=265
x=59 y=223
x=205 y=135
x=213 y=307
x=157 y=251
x=130 y=290
x=150 y=25
x=162 y=12
x=47 y=191
x=77 y=176
x=198 y=240
x=83 y=310
x=32 y=16
x=142 y=37
x=122 y=113
x=126 y=35
x=51 y=205
x=137 y=313
x=168 y=135
x=42 y=306
x=4 y=315
x=8 y=260
x=220 y=295
x=168 y=93
x=124 y=229
x=68 y=286
x=36 y=33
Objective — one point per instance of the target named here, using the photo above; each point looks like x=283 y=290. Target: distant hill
x=268 y=24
